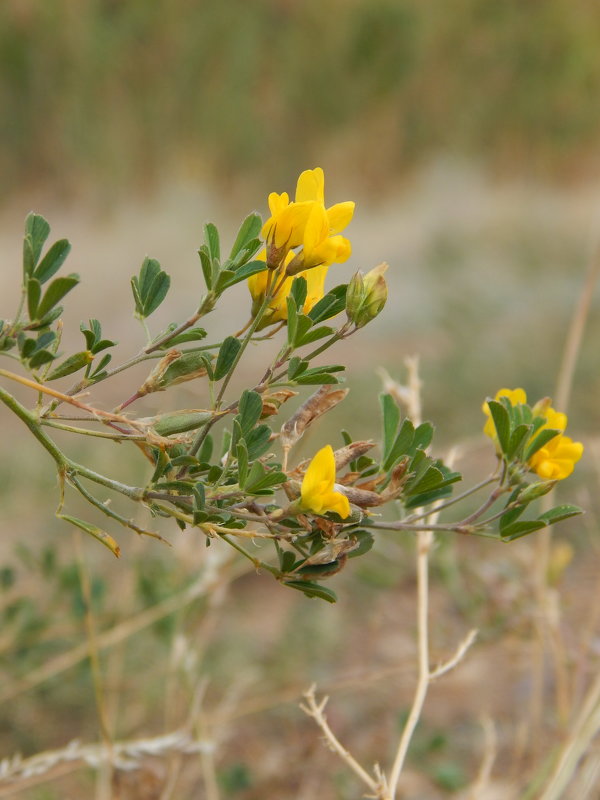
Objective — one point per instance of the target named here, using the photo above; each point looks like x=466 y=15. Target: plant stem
x=424 y=542
x=29 y=419
x=207 y=305
x=117 y=437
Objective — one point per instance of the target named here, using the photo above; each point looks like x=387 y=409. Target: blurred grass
x=113 y=92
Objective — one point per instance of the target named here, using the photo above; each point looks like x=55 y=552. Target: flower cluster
x=302 y=237
x=557 y=454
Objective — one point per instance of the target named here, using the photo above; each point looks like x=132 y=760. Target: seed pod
x=323 y=400
x=173 y=368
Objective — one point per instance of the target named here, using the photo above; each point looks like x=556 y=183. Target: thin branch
x=424 y=543
x=490 y=749
x=458 y=656
x=315 y=710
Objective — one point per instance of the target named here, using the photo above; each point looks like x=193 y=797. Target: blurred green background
x=118 y=93
x=469 y=135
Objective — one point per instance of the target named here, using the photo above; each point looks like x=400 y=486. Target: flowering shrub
x=309 y=517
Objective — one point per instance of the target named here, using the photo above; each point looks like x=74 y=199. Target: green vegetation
x=126 y=91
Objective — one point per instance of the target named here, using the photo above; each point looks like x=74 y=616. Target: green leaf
x=70 y=365
x=34 y=293
x=101 y=345
x=296 y=366
x=517 y=439
x=242 y=459
x=512 y=514
x=310 y=378
x=249 y=230
x=518 y=529
x=391 y=420
x=93 y=530
x=206 y=264
x=402 y=444
x=251 y=268
x=55 y=293
x=206 y=451
x=423 y=437
x=223 y=280
x=248 y=252
x=28 y=258
x=334 y=302
x=236 y=434
x=426 y=498
x=36 y=230
x=287 y=561
x=303 y=326
x=53 y=260
x=558 y=513
x=258 y=441
x=211 y=235
x=156 y=292
x=97 y=374
x=311 y=589
x=501 y=419
x=40 y=358
x=150 y=287
x=227 y=356
x=47 y=319
x=313 y=335
x=539 y=441
x=43 y=340
x=261 y=480
x=191 y=335
x=199 y=495
x=417 y=468
x=249 y=410
x=298 y=291
x=430 y=480
x=365 y=540
x=292 y=320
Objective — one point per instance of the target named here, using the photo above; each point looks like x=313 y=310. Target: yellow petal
x=315 y=286
x=339 y=216
x=555 y=419
x=311 y=186
x=319 y=476
x=277 y=202
x=339 y=503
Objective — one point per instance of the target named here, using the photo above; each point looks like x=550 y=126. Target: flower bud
x=366 y=296
x=535 y=490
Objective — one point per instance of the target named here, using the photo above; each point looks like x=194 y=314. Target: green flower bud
x=366 y=295
x=535 y=490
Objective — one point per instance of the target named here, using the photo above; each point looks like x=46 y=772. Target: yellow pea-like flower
x=307 y=222
x=317 y=493
x=557 y=458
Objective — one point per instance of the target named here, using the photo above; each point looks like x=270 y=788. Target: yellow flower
x=307 y=222
x=277 y=310
x=317 y=493
x=556 y=459
x=284 y=229
x=516 y=397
